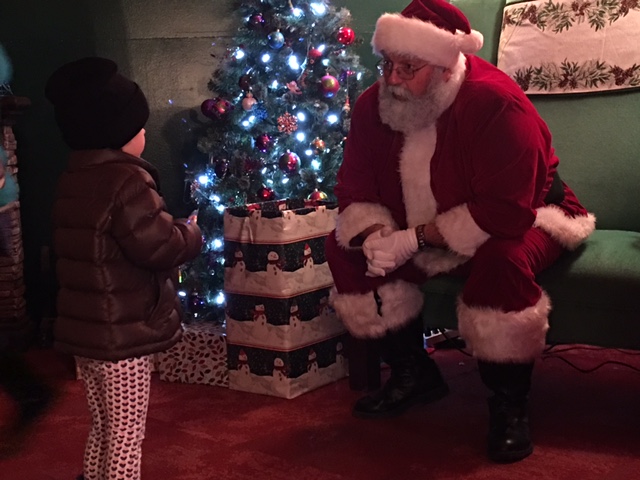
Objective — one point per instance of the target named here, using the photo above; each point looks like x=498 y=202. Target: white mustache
x=399 y=92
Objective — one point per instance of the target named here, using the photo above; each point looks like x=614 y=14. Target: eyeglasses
x=405 y=71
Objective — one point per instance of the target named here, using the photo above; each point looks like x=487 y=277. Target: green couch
x=595 y=290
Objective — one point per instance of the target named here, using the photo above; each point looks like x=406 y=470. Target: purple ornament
x=208 y=107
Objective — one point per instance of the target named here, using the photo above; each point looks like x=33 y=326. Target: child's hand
x=193 y=218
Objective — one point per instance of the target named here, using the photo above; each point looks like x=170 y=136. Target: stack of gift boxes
x=281 y=338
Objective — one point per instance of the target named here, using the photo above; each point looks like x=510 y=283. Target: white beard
x=413 y=112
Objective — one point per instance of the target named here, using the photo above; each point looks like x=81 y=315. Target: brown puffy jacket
x=117 y=248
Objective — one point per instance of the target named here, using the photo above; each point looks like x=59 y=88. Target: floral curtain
x=571 y=46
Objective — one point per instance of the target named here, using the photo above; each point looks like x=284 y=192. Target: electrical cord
x=549 y=353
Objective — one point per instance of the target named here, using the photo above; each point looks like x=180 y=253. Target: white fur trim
x=460 y=230
x=437 y=260
x=358 y=217
x=396 y=33
x=415 y=175
x=401 y=302
x=569 y=231
x=358 y=313
x=497 y=336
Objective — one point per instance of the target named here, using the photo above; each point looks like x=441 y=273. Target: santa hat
x=432 y=30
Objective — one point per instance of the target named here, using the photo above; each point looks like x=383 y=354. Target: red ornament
x=245 y=82
x=289 y=163
x=287 y=123
x=222 y=107
x=208 y=108
x=346 y=36
x=256 y=21
x=317 y=195
x=265 y=194
x=329 y=85
x=264 y=143
x=314 y=54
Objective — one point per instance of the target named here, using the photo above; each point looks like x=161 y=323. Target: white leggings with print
x=118 y=398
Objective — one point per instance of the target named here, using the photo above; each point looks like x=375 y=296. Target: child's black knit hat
x=96 y=107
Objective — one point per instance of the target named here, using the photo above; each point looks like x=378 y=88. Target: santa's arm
x=507 y=158
x=361 y=212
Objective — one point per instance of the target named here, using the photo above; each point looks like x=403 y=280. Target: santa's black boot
x=415 y=377
x=509 y=439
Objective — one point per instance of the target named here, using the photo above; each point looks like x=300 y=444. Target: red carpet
x=585 y=426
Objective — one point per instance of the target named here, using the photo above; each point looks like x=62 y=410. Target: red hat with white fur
x=432 y=30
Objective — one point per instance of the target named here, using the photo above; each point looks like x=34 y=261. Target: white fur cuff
x=401 y=302
x=460 y=230
x=357 y=217
x=570 y=232
x=502 y=337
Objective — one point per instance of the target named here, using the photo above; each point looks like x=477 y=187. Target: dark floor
x=585 y=426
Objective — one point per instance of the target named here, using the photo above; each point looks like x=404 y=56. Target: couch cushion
x=595 y=292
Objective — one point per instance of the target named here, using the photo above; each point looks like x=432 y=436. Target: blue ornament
x=276 y=40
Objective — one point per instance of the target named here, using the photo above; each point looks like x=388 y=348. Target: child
x=28 y=392
x=117 y=249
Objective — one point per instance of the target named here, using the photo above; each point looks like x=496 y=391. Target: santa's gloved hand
x=387 y=250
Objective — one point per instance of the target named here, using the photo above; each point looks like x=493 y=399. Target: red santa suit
x=482 y=173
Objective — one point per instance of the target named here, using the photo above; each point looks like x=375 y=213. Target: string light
x=332 y=118
x=319 y=8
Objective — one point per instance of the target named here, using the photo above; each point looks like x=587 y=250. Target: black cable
x=451 y=342
x=590 y=370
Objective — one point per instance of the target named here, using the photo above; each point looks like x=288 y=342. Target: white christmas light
x=269 y=181
x=301 y=136
x=319 y=8
x=239 y=54
x=325 y=62
x=265 y=58
x=274 y=85
x=203 y=179
x=264 y=171
x=182 y=293
x=322 y=48
x=215 y=198
x=308 y=153
x=220 y=298
x=293 y=63
x=246 y=124
x=220 y=208
x=217 y=243
x=302 y=117
x=332 y=118
x=315 y=164
x=285 y=180
x=297 y=12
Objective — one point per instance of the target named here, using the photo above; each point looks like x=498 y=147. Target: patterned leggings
x=118 y=398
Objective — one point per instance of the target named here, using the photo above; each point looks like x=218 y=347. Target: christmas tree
x=276 y=123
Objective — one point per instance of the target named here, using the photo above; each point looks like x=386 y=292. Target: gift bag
x=199 y=357
x=283 y=339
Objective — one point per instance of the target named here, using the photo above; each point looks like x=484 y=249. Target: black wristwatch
x=422 y=239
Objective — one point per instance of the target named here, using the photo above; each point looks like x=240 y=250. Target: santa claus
x=448 y=167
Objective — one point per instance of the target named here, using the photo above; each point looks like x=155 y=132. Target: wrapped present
x=199 y=357
x=286 y=374
x=277 y=283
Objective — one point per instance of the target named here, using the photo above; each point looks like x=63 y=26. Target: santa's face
x=410 y=104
